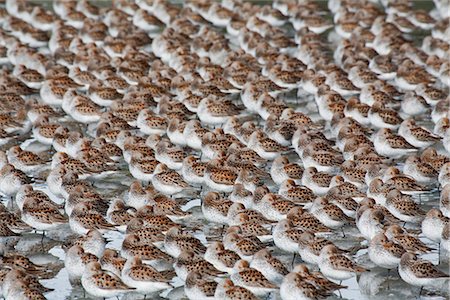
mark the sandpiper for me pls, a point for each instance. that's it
(199, 286)
(337, 266)
(41, 217)
(420, 272)
(188, 262)
(100, 283)
(168, 181)
(329, 214)
(76, 261)
(132, 246)
(403, 207)
(144, 278)
(111, 261)
(296, 193)
(444, 203)
(416, 135)
(420, 171)
(251, 279)
(391, 145)
(384, 253)
(409, 242)
(244, 247)
(228, 291)
(221, 258)
(272, 268)
(433, 224)
(309, 247)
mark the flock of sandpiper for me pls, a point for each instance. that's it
(298, 124)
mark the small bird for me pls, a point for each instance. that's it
(245, 247)
(310, 246)
(220, 178)
(215, 209)
(41, 217)
(282, 170)
(304, 220)
(433, 224)
(188, 262)
(199, 287)
(251, 279)
(403, 207)
(382, 117)
(176, 242)
(271, 267)
(301, 284)
(228, 291)
(419, 272)
(384, 253)
(132, 246)
(83, 218)
(25, 161)
(12, 179)
(422, 172)
(329, 214)
(410, 243)
(167, 181)
(112, 262)
(317, 279)
(337, 266)
(294, 286)
(100, 283)
(390, 145)
(144, 278)
(221, 258)
(264, 146)
(93, 243)
(296, 193)
(417, 136)
(76, 261)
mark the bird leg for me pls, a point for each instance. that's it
(293, 259)
(439, 253)
(387, 278)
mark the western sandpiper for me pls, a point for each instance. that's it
(433, 224)
(420, 272)
(176, 242)
(251, 279)
(227, 290)
(100, 283)
(385, 253)
(409, 242)
(188, 262)
(198, 286)
(221, 258)
(144, 278)
(76, 261)
(337, 266)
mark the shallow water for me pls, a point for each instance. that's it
(376, 284)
